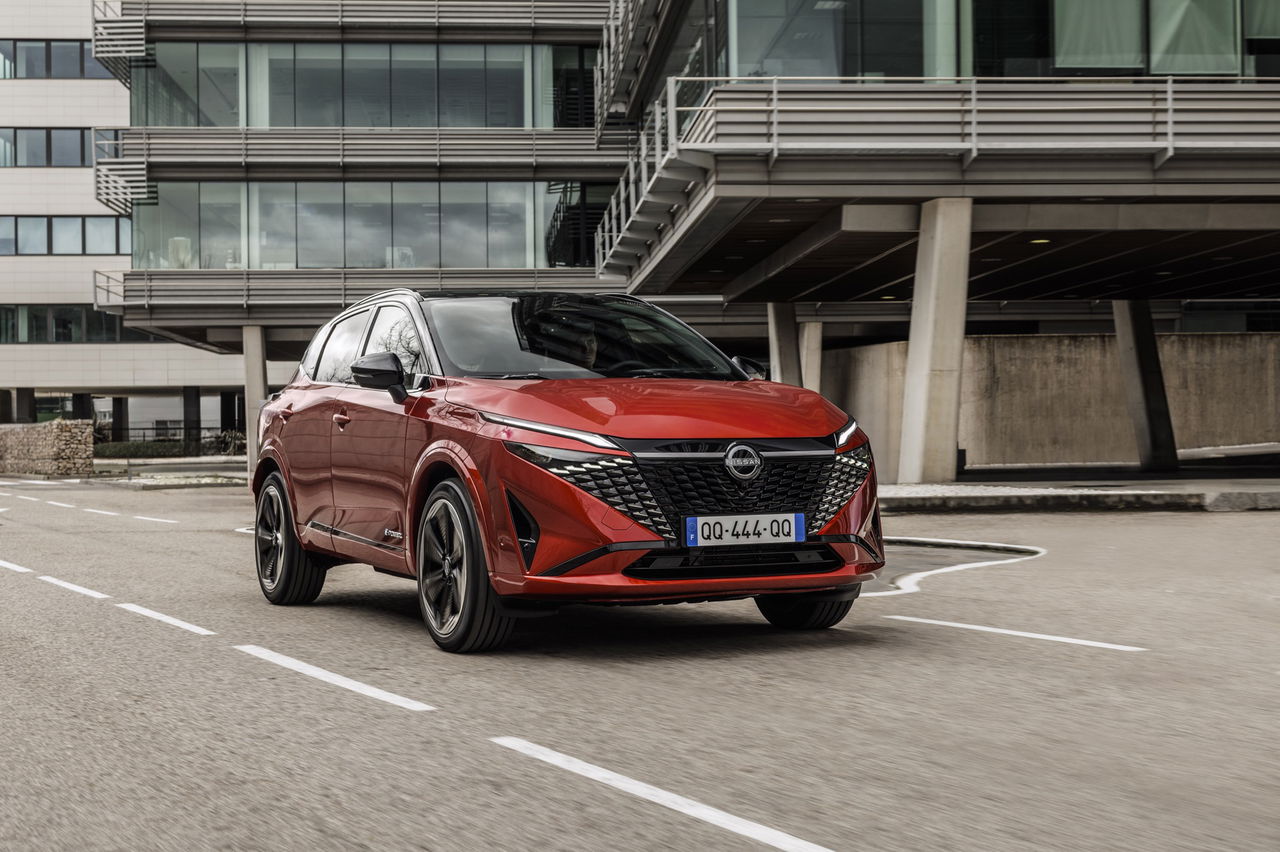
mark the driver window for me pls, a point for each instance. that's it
(340, 350)
(393, 331)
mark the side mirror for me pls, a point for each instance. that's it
(753, 369)
(381, 371)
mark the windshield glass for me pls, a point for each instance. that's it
(564, 336)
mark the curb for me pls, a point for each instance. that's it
(160, 485)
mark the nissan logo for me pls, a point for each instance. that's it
(743, 462)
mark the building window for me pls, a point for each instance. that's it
(64, 324)
(367, 225)
(32, 147)
(64, 235)
(363, 84)
(29, 59)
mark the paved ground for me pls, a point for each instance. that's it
(124, 732)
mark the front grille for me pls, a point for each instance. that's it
(660, 494)
(760, 560)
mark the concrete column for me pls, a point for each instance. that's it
(6, 406)
(935, 347)
(1144, 385)
(255, 387)
(811, 356)
(784, 343)
(191, 419)
(227, 411)
(24, 408)
(81, 406)
(119, 418)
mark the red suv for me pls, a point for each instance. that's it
(518, 451)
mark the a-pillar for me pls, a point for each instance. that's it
(119, 418)
(81, 406)
(811, 356)
(935, 347)
(784, 343)
(24, 409)
(6, 406)
(227, 411)
(255, 388)
(191, 419)
(1144, 385)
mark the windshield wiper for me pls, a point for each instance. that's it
(665, 373)
(508, 376)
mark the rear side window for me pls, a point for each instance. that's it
(394, 331)
(340, 350)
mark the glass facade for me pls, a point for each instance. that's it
(367, 225)
(986, 38)
(28, 59)
(64, 324)
(359, 84)
(65, 235)
(44, 146)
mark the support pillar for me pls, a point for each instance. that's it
(6, 406)
(784, 343)
(227, 411)
(191, 419)
(119, 418)
(935, 348)
(81, 406)
(1144, 385)
(811, 356)
(24, 409)
(255, 388)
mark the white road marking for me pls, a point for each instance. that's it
(245, 530)
(689, 807)
(335, 679)
(5, 509)
(908, 583)
(5, 494)
(72, 586)
(5, 482)
(167, 619)
(157, 520)
(1021, 633)
(56, 503)
(17, 568)
(25, 497)
(37, 482)
(101, 512)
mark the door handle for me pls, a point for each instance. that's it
(341, 419)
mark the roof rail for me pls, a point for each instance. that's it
(400, 291)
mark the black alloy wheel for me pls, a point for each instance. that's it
(287, 573)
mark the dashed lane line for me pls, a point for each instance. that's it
(332, 678)
(721, 819)
(72, 586)
(12, 567)
(102, 512)
(1089, 642)
(157, 520)
(25, 497)
(56, 503)
(167, 619)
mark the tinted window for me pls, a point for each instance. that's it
(33, 235)
(393, 331)
(68, 235)
(65, 150)
(33, 148)
(340, 350)
(64, 58)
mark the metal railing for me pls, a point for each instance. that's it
(624, 38)
(121, 27)
(963, 117)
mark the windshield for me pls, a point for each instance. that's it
(564, 336)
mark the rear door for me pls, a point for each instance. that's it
(371, 466)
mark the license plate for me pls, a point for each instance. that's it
(712, 530)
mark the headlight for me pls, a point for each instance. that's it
(561, 431)
(846, 433)
(554, 458)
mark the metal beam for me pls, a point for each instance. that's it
(1126, 217)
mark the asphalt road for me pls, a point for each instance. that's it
(680, 727)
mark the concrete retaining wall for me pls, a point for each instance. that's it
(1058, 398)
(55, 448)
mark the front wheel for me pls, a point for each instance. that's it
(800, 612)
(461, 610)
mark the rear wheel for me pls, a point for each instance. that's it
(800, 612)
(461, 610)
(287, 573)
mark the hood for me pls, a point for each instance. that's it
(657, 408)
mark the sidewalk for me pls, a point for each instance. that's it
(1211, 495)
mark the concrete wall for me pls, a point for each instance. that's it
(101, 367)
(55, 448)
(1057, 399)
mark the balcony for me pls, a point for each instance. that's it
(631, 29)
(121, 28)
(959, 131)
(129, 159)
(200, 298)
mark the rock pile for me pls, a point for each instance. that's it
(55, 448)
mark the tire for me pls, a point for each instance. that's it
(798, 612)
(459, 606)
(287, 573)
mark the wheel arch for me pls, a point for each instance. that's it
(435, 466)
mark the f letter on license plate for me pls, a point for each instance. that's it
(712, 530)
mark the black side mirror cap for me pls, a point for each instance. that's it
(381, 371)
(753, 369)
